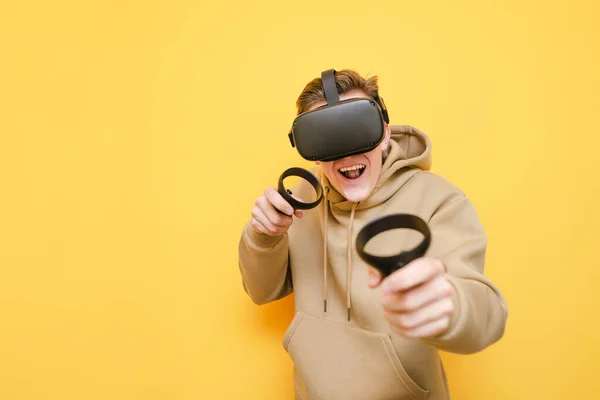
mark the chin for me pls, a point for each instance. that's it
(356, 194)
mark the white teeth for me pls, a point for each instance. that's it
(352, 168)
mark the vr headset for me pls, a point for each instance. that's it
(340, 128)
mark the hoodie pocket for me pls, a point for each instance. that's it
(338, 361)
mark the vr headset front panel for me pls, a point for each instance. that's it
(338, 130)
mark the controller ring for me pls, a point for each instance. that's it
(388, 264)
(306, 175)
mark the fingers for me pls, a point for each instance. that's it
(271, 214)
(281, 204)
(274, 217)
(374, 278)
(413, 274)
(260, 227)
(277, 201)
(272, 222)
(430, 329)
(413, 322)
(422, 303)
(418, 297)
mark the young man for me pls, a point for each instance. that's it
(388, 348)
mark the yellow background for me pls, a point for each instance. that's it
(135, 136)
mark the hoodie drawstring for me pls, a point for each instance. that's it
(325, 216)
(349, 254)
(349, 263)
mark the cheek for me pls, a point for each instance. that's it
(329, 171)
(375, 158)
(329, 168)
(375, 162)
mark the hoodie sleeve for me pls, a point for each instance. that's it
(264, 265)
(459, 241)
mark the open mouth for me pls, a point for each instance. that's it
(352, 171)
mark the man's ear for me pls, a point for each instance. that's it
(388, 135)
(318, 162)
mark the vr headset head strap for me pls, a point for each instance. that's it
(384, 110)
(332, 96)
(329, 86)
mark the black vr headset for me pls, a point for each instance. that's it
(340, 128)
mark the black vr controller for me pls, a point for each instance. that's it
(287, 193)
(384, 264)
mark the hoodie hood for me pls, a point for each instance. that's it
(408, 147)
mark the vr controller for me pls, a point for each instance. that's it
(287, 193)
(384, 264)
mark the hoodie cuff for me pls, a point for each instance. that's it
(261, 239)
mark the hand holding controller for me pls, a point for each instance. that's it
(272, 212)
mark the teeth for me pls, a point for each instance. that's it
(352, 168)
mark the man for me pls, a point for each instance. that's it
(375, 338)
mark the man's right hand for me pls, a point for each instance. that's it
(266, 218)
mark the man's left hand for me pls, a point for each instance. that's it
(417, 299)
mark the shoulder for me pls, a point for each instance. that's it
(435, 196)
(448, 204)
(435, 185)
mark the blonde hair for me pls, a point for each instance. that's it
(345, 81)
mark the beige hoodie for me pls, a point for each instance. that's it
(361, 358)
